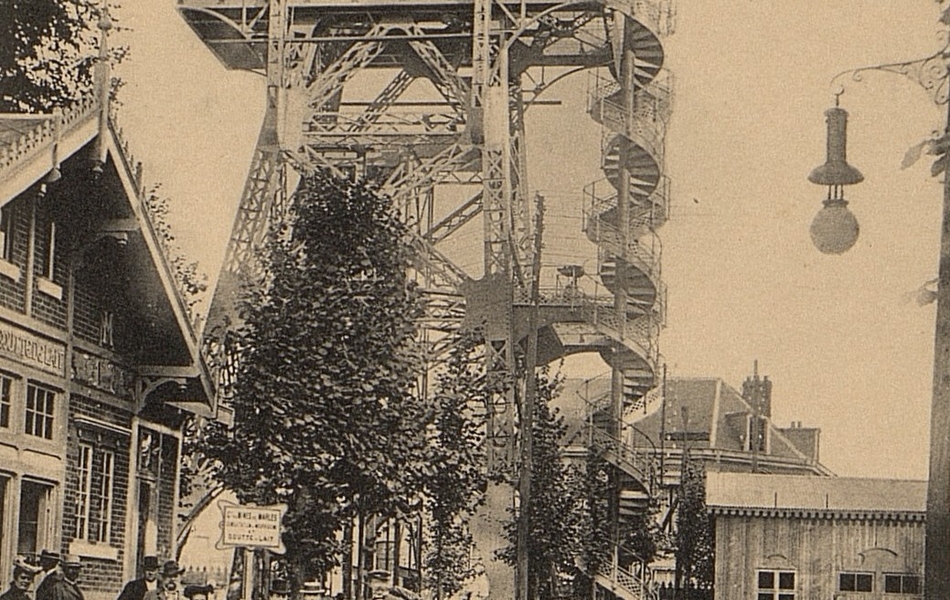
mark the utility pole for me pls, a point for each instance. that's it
(663, 430)
(527, 414)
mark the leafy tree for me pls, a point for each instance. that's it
(598, 489)
(455, 486)
(555, 526)
(47, 52)
(642, 533)
(324, 416)
(694, 533)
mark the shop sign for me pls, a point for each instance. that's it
(251, 526)
(32, 350)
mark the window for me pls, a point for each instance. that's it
(5, 403)
(895, 583)
(776, 585)
(83, 490)
(6, 233)
(32, 525)
(51, 252)
(95, 471)
(39, 411)
(104, 514)
(855, 582)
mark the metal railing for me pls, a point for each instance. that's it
(657, 15)
(632, 460)
(650, 211)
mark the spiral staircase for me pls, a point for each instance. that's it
(622, 212)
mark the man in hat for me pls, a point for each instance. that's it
(67, 586)
(49, 562)
(136, 589)
(169, 587)
(23, 574)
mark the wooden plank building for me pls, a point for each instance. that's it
(790, 537)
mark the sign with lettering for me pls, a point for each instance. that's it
(251, 526)
(32, 350)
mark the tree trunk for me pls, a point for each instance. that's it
(397, 549)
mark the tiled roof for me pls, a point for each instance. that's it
(813, 494)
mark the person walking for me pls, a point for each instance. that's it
(67, 586)
(136, 589)
(170, 587)
(23, 574)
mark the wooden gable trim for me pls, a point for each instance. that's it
(134, 196)
(812, 513)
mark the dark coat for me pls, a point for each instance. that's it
(134, 590)
(45, 588)
(15, 593)
(63, 589)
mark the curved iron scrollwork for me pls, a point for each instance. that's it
(931, 73)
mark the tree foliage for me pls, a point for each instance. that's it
(324, 415)
(643, 535)
(47, 52)
(694, 533)
(556, 518)
(598, 490)
(456, 457)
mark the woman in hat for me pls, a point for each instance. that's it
(23, 574)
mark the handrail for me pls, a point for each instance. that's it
(653, 210)
(625, 579)
(49, 127)
(657, 15)
(608, 236)
(634, 462)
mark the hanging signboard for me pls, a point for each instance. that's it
(251, 526)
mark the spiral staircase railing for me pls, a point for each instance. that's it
(629, 252)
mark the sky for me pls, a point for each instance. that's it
(844, 347)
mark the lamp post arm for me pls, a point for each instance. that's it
(930, 73)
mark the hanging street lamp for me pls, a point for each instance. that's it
(834, 229)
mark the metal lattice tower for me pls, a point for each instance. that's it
(427, 97)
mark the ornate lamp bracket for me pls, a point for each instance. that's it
(930, 73)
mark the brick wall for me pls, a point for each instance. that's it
(86, 311)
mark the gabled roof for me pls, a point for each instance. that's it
(802, 495)
(714, 409)
(30, 146)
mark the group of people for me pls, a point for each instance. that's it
(59, 580)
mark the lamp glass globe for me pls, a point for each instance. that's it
(834, 229)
